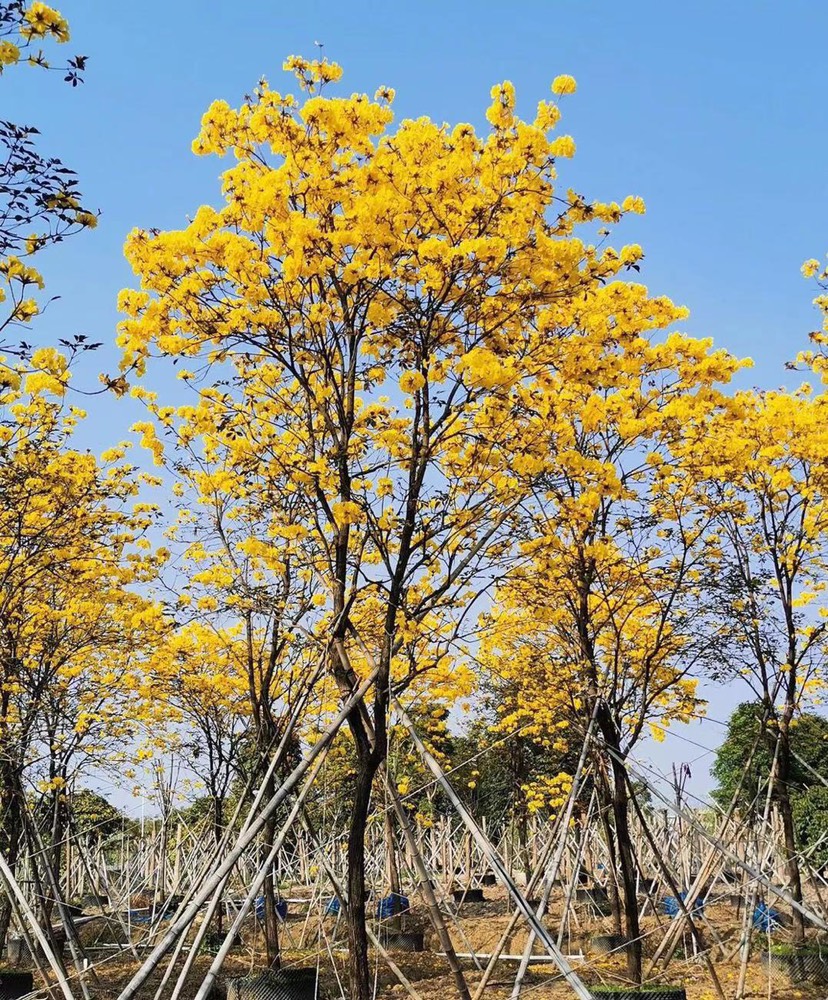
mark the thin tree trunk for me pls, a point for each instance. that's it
(427, 888)
(358, 968)
(605, 800)
(218, 835)
(271, 918)
(788, 833)
(11, 831)
(626, 860)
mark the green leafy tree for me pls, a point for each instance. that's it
(752, 737)
(747, 727)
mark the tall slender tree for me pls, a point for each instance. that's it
(361, 321)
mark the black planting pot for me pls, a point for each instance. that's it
(604, 944)
(405, 941)
(804, 966)
(213, 941)
(17, 951)
(594, 894)
(15, 984)
(489, 879)
(705, 886)
(468, 896)
(298, 974)
(167, 907)
(597, 898)
(94, 902)
(294, 984)
(639, 993)
(276, 984)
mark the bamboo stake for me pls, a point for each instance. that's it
(181, 924)
(572, 978)
(554, 867)
(14, 890)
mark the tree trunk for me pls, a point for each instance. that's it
(54, 855)
(605, 800)
(271, 918)
(626, 860)
(11, 830)
(218, 833)
(783, 770)
(358, 968)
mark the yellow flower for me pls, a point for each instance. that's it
(633, 203)
(564, 85)
(9, 54)
(43, 20)
(25, 310)
(564, 146)
(346, 512)
(411, 381)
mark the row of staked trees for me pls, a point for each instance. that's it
(75, 557)
(427, 429)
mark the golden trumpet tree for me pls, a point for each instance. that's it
(767, 463)
(606, 620)
(246, 598)
(765, 466)
(71, 625)
(359, 323)
(195, 673)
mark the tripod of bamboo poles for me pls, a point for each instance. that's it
(463, 849)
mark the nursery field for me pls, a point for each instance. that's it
(370, 516)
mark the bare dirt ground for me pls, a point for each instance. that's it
(309, 941)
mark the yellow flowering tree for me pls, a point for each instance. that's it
(72, 629)
(606, 620)
(251, 607)
(23, 26)
(768, 465)
(195, 674)
(359, 323)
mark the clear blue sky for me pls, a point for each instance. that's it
(713, 112)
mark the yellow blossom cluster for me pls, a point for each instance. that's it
(37, 22)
